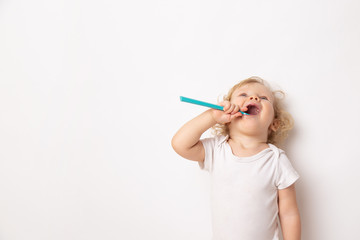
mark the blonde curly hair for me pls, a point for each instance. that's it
(282, 119)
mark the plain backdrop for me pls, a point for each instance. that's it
(89, 103)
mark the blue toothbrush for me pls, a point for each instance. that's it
(205, 104)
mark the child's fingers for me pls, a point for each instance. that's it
(236, 109)
(244, 109)
(225, 104)
(227, 107)
(236, 115)
(231, 108)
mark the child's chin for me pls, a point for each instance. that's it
(246, 123)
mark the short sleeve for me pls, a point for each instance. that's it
(286, 174)
(209, 146)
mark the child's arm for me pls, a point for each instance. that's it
(186, 140)
(289, 214)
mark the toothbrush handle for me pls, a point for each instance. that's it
(205, 104)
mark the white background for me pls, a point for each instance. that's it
(89, 102)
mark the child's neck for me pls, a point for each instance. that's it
(246, 142)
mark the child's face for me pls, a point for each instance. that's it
(261, 116)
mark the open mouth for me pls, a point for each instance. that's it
(253, 109)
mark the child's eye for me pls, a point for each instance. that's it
(264, 98)
(243, 94)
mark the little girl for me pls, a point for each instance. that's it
(252, 180)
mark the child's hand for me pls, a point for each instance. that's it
(230, 112)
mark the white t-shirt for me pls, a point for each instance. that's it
(244, 190)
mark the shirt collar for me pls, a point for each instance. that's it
(224, 138)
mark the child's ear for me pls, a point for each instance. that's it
(274, 126)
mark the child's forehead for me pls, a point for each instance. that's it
(259, 88)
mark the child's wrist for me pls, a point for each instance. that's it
(209, 112)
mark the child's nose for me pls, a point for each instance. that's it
(254, 97)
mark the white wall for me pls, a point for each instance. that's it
(89, 102)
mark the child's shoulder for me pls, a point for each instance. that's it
(275, 147)
(277, 151)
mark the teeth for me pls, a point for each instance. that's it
(253, 110)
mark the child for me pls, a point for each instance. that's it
(252, 179)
